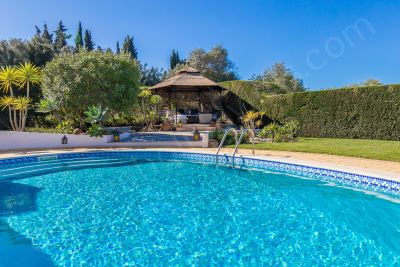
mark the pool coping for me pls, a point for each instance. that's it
(343, 178)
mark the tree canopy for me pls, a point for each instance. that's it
(76, 81)
(89, 44)
(78, 38)
(174, 59)
(129, 47)
(369, 82)
(214, 64)
(60, 40)
(282, 77)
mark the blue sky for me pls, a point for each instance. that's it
(326, 43)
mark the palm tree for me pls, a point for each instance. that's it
(8, 78)
(27, 74)
(21, 104)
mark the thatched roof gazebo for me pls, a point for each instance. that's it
(188, 81)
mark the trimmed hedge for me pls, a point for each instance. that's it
(245, 95)
(362, 112)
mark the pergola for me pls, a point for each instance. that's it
(187, 80)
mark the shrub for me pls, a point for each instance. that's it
(80, 80)
(219, 134)
(65, 127)
(363, 112)
(96, 130)
(270, 131)
(278, 133)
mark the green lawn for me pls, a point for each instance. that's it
(371, 149)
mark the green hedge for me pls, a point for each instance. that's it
(245, 95)
(362, 112)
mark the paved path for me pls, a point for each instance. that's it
(377, 168)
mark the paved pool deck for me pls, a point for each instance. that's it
(377, 168)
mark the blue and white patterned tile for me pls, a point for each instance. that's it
(355, 180)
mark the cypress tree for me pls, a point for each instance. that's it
(60, 40)
(78, 37)
(129, 48)
(118, 49)
(89, 45)
(174, 59)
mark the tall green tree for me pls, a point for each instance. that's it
(60, 40)
(79, 37)
(214, 64)
(282, 77)
(118, 51)
(14, 52)
(46, 36)
(41, 47)
(112, 81)
(89, 44)
(150, 76)
(129, 47)
(174, 59)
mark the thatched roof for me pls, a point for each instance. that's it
(187, 79)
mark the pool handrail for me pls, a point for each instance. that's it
(223, 140)
(240, 140)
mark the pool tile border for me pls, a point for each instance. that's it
(354, 180)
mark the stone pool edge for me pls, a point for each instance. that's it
(352, 179)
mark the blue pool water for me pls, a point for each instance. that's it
(175, 213)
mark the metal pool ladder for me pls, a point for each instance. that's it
(237, 143)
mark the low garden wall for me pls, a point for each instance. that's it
(27, 140)
(10, 140)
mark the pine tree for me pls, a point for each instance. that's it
(60, 40)
(129, 48)
(41, 46)
(89, 45)
(78, 37)
(46, 36)
(118, 49)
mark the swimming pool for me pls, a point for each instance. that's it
(152, 208)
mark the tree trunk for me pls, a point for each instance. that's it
(10, 117)
(16, 124)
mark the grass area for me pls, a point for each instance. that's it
(370, 149)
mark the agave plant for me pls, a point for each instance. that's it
(95, 115)
(47, 106)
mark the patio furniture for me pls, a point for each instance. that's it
(205, 118)
(193, 116)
